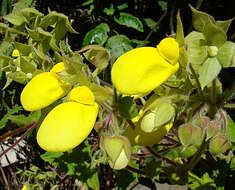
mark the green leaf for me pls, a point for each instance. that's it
(98, 35)
(97, 55)
(10, 112)
(214, 35)
(151, 23)
(19, 77)
(200, 19)
(127, 107)
(51, 156)
(4, 60)
(163, 5)
(209, 71)
(101, 93)
(231, 129)
(93, 180)
(30, 13)
(179, 31)
(226, 53)
(24, 49)
(122, 6)
(109, 11)
(224, 25)
(232, 164)
(25, 120)
(205, 183)
(15, 18)
(196, 47)
(124, 178)
(60, 29)
(129, 20)
(26, 65)
(118, 45)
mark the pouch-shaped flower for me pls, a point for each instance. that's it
(44, 89)
(141, 70)
(69, 123)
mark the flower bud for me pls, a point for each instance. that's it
(212, 51)
(213, 128)
(141, 70)
(218, 144)
(118, 150)
(15, 53)
(44, 89)
(189, 134)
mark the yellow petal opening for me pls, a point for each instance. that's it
(66, 126)
(59, 67)
(141, 70)
(43, 90)
(168, 48)
(83, 95)
(15, 53)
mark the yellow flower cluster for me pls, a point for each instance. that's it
(69, 123)
(136, 72)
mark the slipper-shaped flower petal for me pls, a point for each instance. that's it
(141, 70)
(67, 125)
(44, 89)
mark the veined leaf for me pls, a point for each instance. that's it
(129, 20)
(98, 35)
(209, 71)
(118, 45)
(214, 35)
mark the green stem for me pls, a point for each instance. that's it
(155, 26)
(160, 156)
(197, 81)
(229, 105)
(213, 106)
(136, 170)
(115, 123)
(195, 177)
(198, 154)
(131, 123)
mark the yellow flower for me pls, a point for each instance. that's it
(141, 70)
(69, 123)
(15, 53)
(44, 89)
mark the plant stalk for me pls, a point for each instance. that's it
(197, 81)
(162, 157)
(155, 26)
(198, 154)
